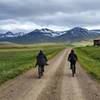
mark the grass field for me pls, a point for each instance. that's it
(83, 43)
(89, 58)
(16, 59)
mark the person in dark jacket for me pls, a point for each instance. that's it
(72, 58)
(41, 60)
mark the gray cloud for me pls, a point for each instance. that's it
(51, 12)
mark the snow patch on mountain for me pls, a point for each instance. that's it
(10, 34)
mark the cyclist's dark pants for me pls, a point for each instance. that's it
(73, 65)
(42, 67)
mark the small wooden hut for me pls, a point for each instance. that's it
(97, 42)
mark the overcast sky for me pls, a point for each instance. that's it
(26, 15)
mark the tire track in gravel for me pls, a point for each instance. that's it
(53, 90)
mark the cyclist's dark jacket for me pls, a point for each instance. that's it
(72, 58)
(41, 59)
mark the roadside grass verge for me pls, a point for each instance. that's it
(17, 60)
(89, 58)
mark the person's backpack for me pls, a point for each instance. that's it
(41, 60)
(73, 58)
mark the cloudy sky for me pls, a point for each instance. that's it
(27, 15)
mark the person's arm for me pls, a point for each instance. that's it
(76, 57)
(69, 57)
(46, 60)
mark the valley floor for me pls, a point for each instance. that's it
(56, 84)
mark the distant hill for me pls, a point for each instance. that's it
(97, 31)
(10, 34)
(77, 34)
(47, 35)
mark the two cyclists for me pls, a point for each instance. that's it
(42, 61)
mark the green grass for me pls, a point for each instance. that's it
(89, 58)
(83, 43)
(15, 60)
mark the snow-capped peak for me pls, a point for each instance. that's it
(11, 34)
(50, 33)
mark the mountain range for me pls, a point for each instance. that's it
(11, 34)
(47, 35)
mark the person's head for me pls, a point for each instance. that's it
(72, 51)
(41, 52)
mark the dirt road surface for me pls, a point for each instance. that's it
(56, 84)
